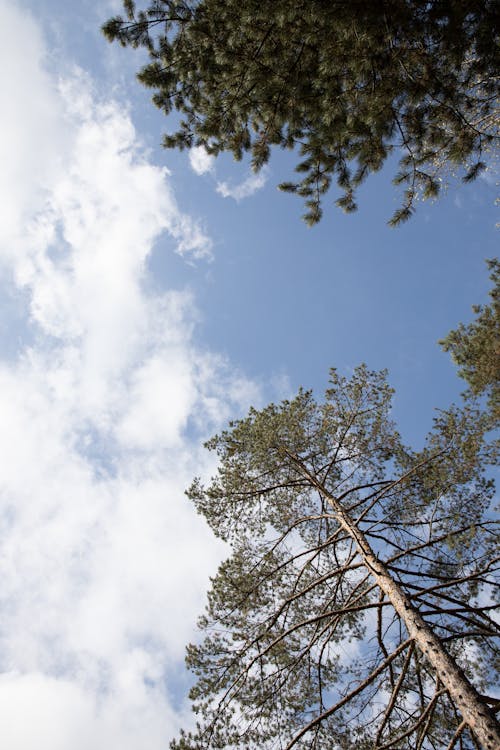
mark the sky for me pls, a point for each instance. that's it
(147, 297)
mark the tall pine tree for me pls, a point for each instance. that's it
(356, 608)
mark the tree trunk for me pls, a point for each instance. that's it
(479, 717)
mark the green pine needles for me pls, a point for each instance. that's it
(345, 84)
(475, 348)
(356, 607)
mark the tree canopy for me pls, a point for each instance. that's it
(356, 607)
(346, 83)
(475, 347)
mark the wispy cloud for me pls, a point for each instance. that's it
(203, 163)
(491, 175)
(244, 189)
(103, 561)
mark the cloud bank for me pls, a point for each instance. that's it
(104, 400)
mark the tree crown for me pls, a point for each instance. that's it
(330, 519)
(475, 347)
(347, 84)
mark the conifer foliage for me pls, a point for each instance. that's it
(475, 348)
(356, 608)
(346, 83)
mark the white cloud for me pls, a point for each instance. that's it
(102, 560)
(245, 189)
(29, 118)
(63, 714)
(491, 175)
(201, 162)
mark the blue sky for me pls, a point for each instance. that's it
(147, 297)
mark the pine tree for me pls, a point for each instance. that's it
(345, 83)
(356, 608)
(475, 348)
